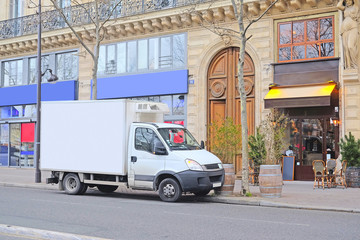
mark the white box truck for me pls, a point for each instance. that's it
(109, 143)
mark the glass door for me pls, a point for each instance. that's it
(4, 144)
(312, 137)
(15, 144)
(27, 144)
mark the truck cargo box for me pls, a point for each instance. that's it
(91, 136)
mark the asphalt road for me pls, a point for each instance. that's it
(121, 216)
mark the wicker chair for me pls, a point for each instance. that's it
(319, 172)
(330, 172)
(341, 174)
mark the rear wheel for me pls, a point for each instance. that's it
(169, 190)
(72, 184)
(83, 190)
(106, 188)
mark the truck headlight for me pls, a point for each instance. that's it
(193, 165)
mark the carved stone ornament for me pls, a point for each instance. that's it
(349, 31)
(249, 85)
(217, 89)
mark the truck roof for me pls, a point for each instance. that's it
(166, 125)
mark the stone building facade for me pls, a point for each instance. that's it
(296, 47)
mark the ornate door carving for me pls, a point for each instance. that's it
(223, 95)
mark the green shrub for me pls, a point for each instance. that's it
(257, 150)
(225, 139)
(350, 150)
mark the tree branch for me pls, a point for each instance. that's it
(72, 28)
(258, 18)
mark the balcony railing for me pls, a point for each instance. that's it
(79, 15)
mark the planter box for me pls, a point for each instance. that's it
(353, 177)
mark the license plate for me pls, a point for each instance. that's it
(217, 184)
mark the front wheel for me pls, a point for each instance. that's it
(169, 190)
(72, 184)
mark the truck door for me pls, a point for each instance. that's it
(144, 164)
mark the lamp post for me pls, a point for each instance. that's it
(38, 103)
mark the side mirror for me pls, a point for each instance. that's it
(159, 148)
(202, 144)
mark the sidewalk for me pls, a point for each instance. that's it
(295, 194)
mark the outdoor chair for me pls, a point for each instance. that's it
(341, 174)
(319, 172)
(253, 176)
(330, 172)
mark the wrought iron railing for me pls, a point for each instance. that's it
(81, 15)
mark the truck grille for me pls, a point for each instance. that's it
(214, 166)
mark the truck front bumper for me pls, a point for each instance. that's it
(196, 181)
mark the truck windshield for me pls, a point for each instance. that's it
(179, 139)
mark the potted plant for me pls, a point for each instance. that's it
(225, 142)
(257, 154)
(350, 151)
(270, 176)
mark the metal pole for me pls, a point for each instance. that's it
(38, 104)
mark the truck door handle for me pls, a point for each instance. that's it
(133, 159)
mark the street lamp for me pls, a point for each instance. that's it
(38, 103)
(52, 78)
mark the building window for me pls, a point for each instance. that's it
(12, 73)
(64, 3)
(33, 69)
(144, 55)
(67, 66)
(306, 39)
(19, 111)
(16, 8)
(24, 71)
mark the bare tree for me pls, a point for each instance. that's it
(242, 37)
(99, 12)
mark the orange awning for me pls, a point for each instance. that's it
(300, 96)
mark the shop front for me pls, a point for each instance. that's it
(16, 137)
(310, 98)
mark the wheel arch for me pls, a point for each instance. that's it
(166, 174)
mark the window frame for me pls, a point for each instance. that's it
(305, 43)
(154, 135)
(158, 67)
(26, 66)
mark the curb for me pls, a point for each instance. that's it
(19, 185)
(264, 203)
(32, 233)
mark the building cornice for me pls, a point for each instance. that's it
(163, 21)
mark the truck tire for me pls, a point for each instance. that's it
(107, 188)
(72, 184)
(83, 190)
(169, 190)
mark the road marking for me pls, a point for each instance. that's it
(240, 219)
(39, 234)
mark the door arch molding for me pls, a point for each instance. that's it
(201, 73)
(223, 98)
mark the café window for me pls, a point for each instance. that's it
(306, 39)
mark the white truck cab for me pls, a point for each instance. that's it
(106, 144)
(166, 157)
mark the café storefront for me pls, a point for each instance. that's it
(308, 92)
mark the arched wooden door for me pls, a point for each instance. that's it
(223, 95)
